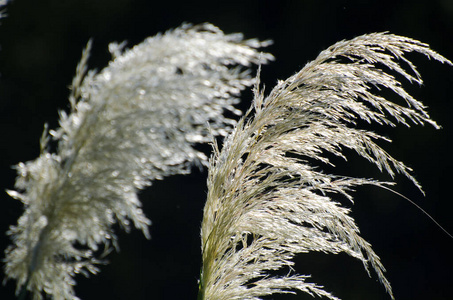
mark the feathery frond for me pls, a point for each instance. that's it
(134, 122)
(268, 198)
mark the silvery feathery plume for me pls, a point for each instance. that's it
(268, 198)
(134, 122)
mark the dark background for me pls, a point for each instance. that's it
(41, 43)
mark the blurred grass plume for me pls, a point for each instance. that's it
(134, 122)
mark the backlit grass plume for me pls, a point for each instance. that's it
(268, 198)
(135, 121)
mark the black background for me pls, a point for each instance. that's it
(41, 43)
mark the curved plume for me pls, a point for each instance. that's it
(134, 122)
(268, 198)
